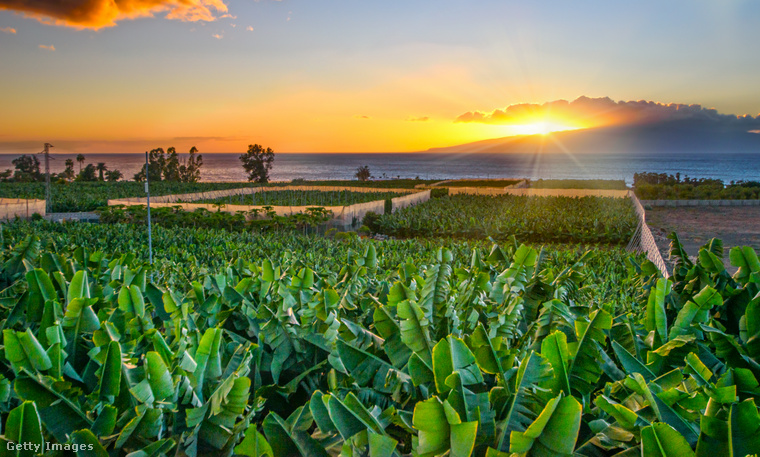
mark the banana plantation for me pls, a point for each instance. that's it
(279, 344)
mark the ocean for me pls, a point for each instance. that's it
(316, 166)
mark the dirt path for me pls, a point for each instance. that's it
(695, 226)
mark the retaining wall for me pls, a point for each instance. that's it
(17, 207)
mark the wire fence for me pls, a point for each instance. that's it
(643, 240)
(11, 208)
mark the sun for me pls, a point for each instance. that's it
(540, 128)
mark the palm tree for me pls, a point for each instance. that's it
(80, 159)
(69, 172)
(101, 169)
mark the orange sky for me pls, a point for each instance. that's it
(336, 76)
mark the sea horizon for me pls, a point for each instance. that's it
(221, 166)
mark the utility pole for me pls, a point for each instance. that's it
(147, 193)
(48, 198)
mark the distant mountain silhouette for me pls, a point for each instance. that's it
(690, 135)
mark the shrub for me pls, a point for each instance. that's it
(371, 221)
(439, 192)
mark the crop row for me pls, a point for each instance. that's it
(186, 254)
(697, 192)
(541, 219)
(607, 184)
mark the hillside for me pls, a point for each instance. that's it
(675, 136)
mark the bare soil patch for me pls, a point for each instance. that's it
(695, 226)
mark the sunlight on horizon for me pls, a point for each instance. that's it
(540, 128)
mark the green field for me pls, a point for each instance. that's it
(539, 219)
(302, 198)
(379, 183)
(88, 196)
(481, 183)
(702, 192)
(245, 342)
(602, 184)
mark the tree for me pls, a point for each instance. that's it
(362, 173)
(102, 168)
(113, 175)
(80, 159)
(171, 166)
(27, 169)
(68, 173)
(191, 172)
(156, 166)
(257, 162)
(88, 174)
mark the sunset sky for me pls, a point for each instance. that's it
(356, 76)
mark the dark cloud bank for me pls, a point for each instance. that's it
(623, 127)
(606, 112)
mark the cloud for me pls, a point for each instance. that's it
(361, 116)
(96, 14)
(249, 28)
(218, 36)
(605, 111)
(49, 48)
(10, 30)
(418, 119)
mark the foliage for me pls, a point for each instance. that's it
(608, 184)
(481, 183)
(88, 174)
(177, 217)
(378, 183)
(661, 186)
(27, 168)
(285, 345)
(88, 196)
(113, 175)
(303, 198)
(541, 219)
(273, 356)
(363, 173)
(257, 162)
(168, 167)
(437, 192)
